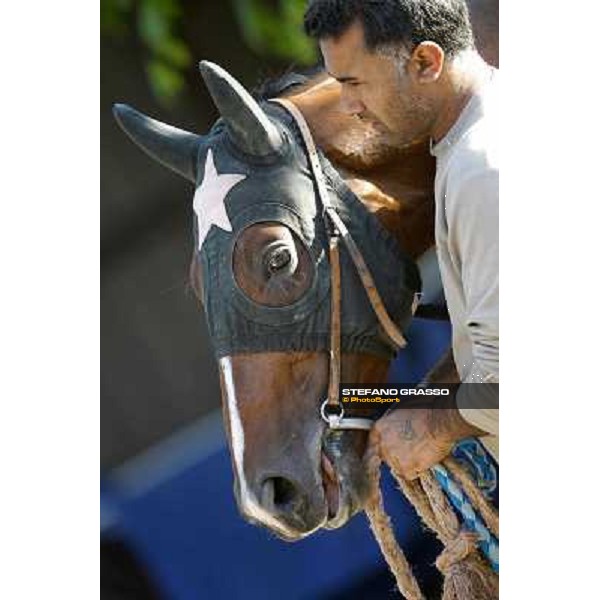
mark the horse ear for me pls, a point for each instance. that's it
(247, 123)
(175, 148)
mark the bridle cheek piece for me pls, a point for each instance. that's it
(332, 410)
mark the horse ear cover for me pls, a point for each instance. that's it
(175, 148)
(248, 126)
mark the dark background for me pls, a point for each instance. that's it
(158, 372)
(160, 395)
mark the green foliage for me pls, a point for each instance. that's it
(156, 23)
(169, 56)
(113, 16)
(267, 30)
(276, 32)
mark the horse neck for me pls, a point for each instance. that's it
(395, 184)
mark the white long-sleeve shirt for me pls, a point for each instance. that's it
(466, 231)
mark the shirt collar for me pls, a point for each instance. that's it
(469, 115)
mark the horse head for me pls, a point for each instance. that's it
(262, 272)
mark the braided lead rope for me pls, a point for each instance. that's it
(383, 530)
(470, 453)
(475, 494)
(487, 542)
(467, 576)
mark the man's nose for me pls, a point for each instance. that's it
(350, 104)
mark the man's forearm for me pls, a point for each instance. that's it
(448, 422)
(444, 370)
(412, 440)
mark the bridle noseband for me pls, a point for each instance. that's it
(332, 410)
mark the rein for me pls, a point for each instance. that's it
(436, 492)
(332, 410)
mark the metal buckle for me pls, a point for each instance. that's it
(332, 420)
(339, 422)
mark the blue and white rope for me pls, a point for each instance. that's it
(487, 542)
(472, 455)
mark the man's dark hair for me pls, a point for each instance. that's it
(394, 22)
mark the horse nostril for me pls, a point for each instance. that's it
(280, 493)
(285, 492)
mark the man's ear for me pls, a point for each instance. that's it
(427, 62)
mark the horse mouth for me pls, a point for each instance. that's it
(340, 505)
(345, 485)
(331, 486)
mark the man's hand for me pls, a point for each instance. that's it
(411, 440)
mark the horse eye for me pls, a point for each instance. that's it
(278, 259)
(272, 265)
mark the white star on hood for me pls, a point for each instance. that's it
(209, 199)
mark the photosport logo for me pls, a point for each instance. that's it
(401, 395)
(386, 395)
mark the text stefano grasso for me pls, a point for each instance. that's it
(402, 391)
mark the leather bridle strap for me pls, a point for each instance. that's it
(332, 410)
(335, 352)
(385, 320)
(388, 325)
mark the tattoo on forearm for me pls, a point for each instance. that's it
(406, 431)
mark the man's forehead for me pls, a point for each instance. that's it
(341, 53)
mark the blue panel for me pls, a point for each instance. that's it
(427, 341)
(187, 531)
(195, 545)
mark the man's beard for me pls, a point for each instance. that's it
(412, 120)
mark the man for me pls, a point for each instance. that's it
(412, 67)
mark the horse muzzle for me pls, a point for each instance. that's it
(344, 480)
